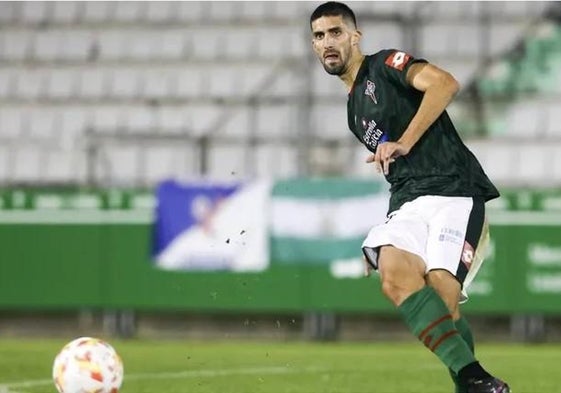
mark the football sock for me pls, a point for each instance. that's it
(463, 328)
(429, 319)
(472, 371)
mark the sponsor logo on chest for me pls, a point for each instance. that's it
(372, 134)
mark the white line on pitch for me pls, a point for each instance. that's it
(178, 374)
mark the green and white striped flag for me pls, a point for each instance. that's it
(324, 220)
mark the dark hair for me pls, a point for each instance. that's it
(334, 8)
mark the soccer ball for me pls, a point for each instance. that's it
(88, 365)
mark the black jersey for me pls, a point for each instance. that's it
(380, 106)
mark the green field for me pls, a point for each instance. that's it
(225, 366)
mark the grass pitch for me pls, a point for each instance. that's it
(177, 366)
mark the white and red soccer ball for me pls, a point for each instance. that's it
(88, 365)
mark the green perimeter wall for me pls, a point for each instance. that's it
(104, 263)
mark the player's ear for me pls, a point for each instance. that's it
(355, 37)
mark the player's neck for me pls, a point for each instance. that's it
(350, 75)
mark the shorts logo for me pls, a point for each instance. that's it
(451, 235)
(467, 255)
(370, 91)
(398, 60)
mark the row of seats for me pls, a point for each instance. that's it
(135, 165)
(67, 12)
(69, 124)
(166, 82)
(504, 162)
(141, 44)
(177, 82)
(529, 119)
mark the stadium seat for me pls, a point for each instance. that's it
(9, 11)
(163, 161)
(76, 46)
(125, 83)
(62, 166)
(97, 11)
(171, 119)
(238, 123)
(65, 12)
(34, 12)
(553, 119)
(275, 161)
(63, 83)
(200, 118)
(108, 119)
(32, 84)
(188, 82)
(382, 35)
(16, 45)
(276, 121)
(94, 83)
(155, 83)
(73, 121)
(10, 122)
(8, 82)
(160, 11)
(139, 119)
(28, 164)
(41, 124)
(171, 45)
(128, 11)
(120, 164)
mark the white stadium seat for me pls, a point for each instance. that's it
(94, 83)
(9, 11)
(65, 11)
(16, 45)
(125, 83)
(32, 84)
(10, 122)
(28, 163)
(63, 83)
(128, 11)
(97, 11)
(42, 124)
(34, 11)
(139, 119)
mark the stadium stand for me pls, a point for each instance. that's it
(149, 85)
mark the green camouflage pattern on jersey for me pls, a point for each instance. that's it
(380, 106)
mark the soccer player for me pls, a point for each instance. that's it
(424, 250)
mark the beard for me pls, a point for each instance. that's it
(336, 69)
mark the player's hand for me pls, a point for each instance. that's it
(386, 153)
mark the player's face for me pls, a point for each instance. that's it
(332, 41)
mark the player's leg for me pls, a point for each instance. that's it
(423, 310)
(448, 287)
(454, 234)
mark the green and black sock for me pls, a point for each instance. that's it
(465, 332)
(429, 319)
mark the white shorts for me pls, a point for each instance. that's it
(448, 233)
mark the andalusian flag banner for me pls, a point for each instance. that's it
(324, 220)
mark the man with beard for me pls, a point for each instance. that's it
(427, 250)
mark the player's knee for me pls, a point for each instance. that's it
(398, 286)
(401, 274)
(448, 287)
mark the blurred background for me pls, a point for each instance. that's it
(101, 102)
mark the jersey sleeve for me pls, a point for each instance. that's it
(394, 65)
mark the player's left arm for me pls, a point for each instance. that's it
(439, 88)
